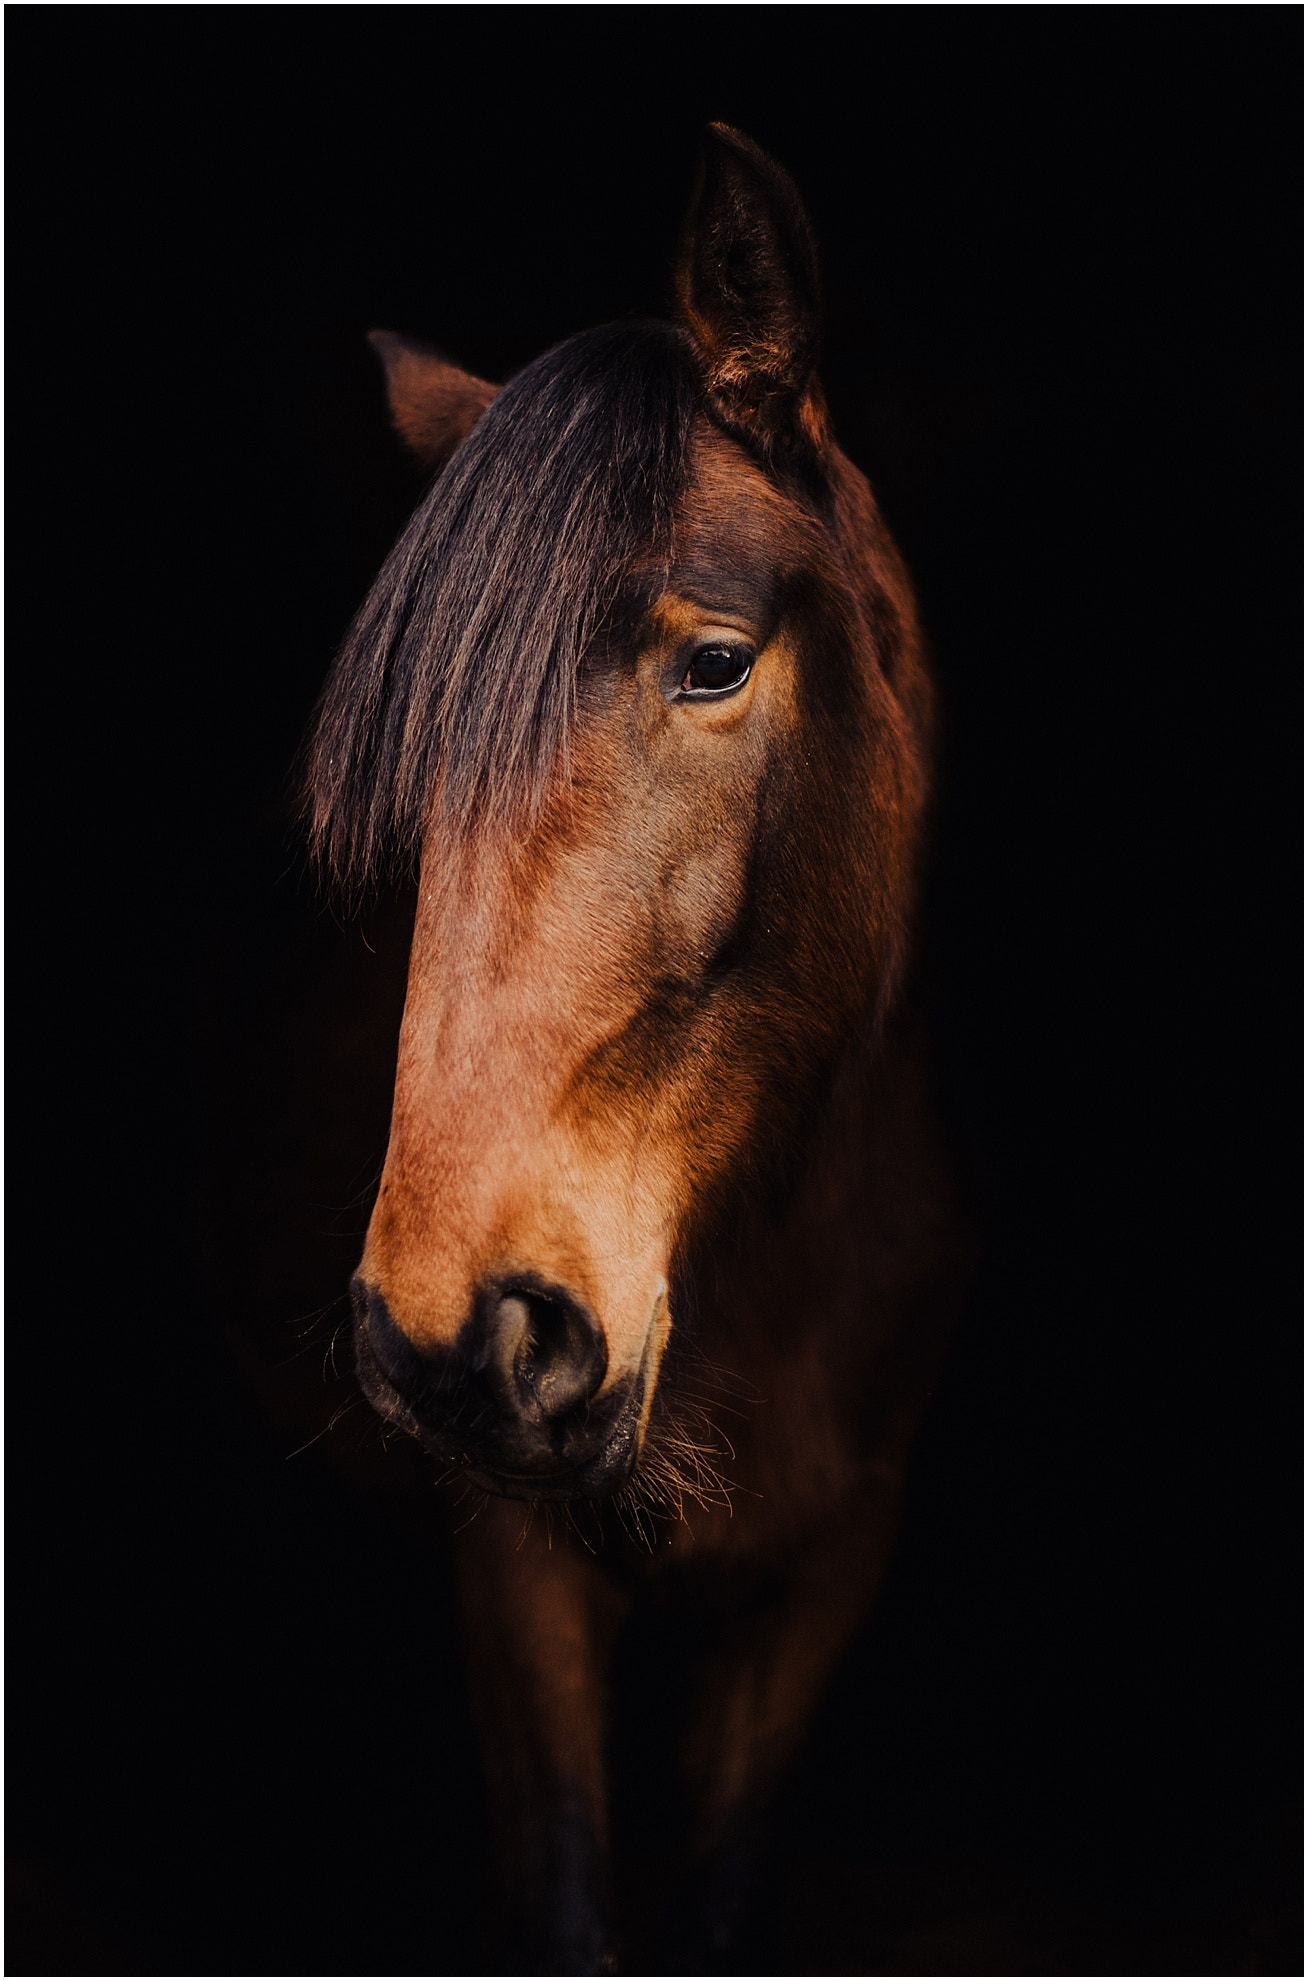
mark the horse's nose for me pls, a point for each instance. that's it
(543, 1351)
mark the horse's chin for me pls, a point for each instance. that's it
(596, 1477)
(589, 1483)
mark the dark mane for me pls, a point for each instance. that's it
(456, 681)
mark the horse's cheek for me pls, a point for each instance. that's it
(698, 905)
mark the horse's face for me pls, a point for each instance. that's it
(616, 1018)
(608, 1024)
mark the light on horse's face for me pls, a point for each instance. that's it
(585, 1050)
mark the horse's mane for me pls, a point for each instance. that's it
(455, 683)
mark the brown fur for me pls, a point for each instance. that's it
(656, 1051)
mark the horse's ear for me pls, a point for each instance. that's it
(434, 405)
(747, 283)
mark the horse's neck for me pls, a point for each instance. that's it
(835, 1278)
(816, 1331)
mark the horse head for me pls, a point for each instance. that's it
(639, 692)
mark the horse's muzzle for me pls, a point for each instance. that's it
(514, 1401)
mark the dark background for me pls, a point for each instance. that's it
(1062, 254)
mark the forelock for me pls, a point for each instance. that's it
(455, 685)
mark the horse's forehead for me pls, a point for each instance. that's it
(730, 514)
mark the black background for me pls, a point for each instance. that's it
(1062, 253)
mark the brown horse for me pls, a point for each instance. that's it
(641, 694)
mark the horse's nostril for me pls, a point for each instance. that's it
(549, 1352)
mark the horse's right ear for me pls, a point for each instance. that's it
(747, 283)
(434, 405)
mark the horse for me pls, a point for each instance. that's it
(666, 1244)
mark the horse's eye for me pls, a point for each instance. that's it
(717, 670)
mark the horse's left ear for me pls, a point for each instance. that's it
(747, 283)
(434, 405)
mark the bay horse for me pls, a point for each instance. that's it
(665, 1246)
